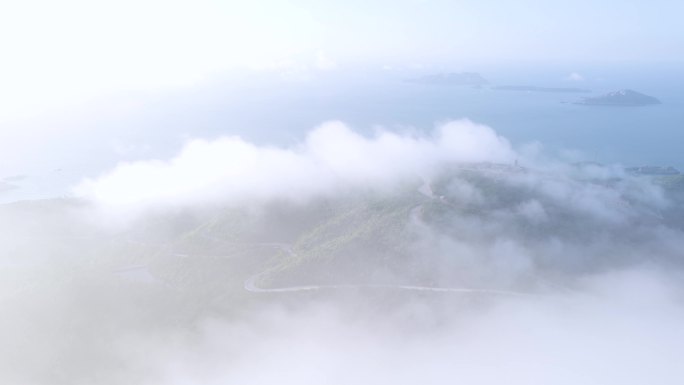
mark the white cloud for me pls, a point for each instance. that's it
(575, 77)
(324, 62)
(566, 232)
(332, 156)
(617, 328)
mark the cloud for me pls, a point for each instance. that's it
(324, 63)
(621, 327)
(575, 77)
(331, 157)
(590, 247)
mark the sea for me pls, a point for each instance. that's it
(60, 149)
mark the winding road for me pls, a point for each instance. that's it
(251, 284)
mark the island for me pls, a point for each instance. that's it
(653, 170)
(6, 186)
(14, 178)
(541, 89)
(452, 79)
(624, 98)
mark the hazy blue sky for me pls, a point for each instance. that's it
(74, 48)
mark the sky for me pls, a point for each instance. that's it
(56, 53)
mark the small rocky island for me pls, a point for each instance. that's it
(452, 79)
(541, 89)
(619, 98)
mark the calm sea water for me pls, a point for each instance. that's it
(155, 126)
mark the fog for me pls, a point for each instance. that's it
(341, 192)
(331, 157)
(398, 257)
(60, 55)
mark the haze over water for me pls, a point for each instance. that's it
(153, 126)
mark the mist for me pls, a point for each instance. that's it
(396, 257)
(331, 157)
(79, 52)
(341, 192)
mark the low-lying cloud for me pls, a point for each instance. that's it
(331, 157)
(617, 328)
(574, 269)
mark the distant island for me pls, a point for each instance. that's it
(14, 178)
(452, 79)
(541, 89)
(9, 183)
(6, 186)
(619, 98)
(653, 170)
